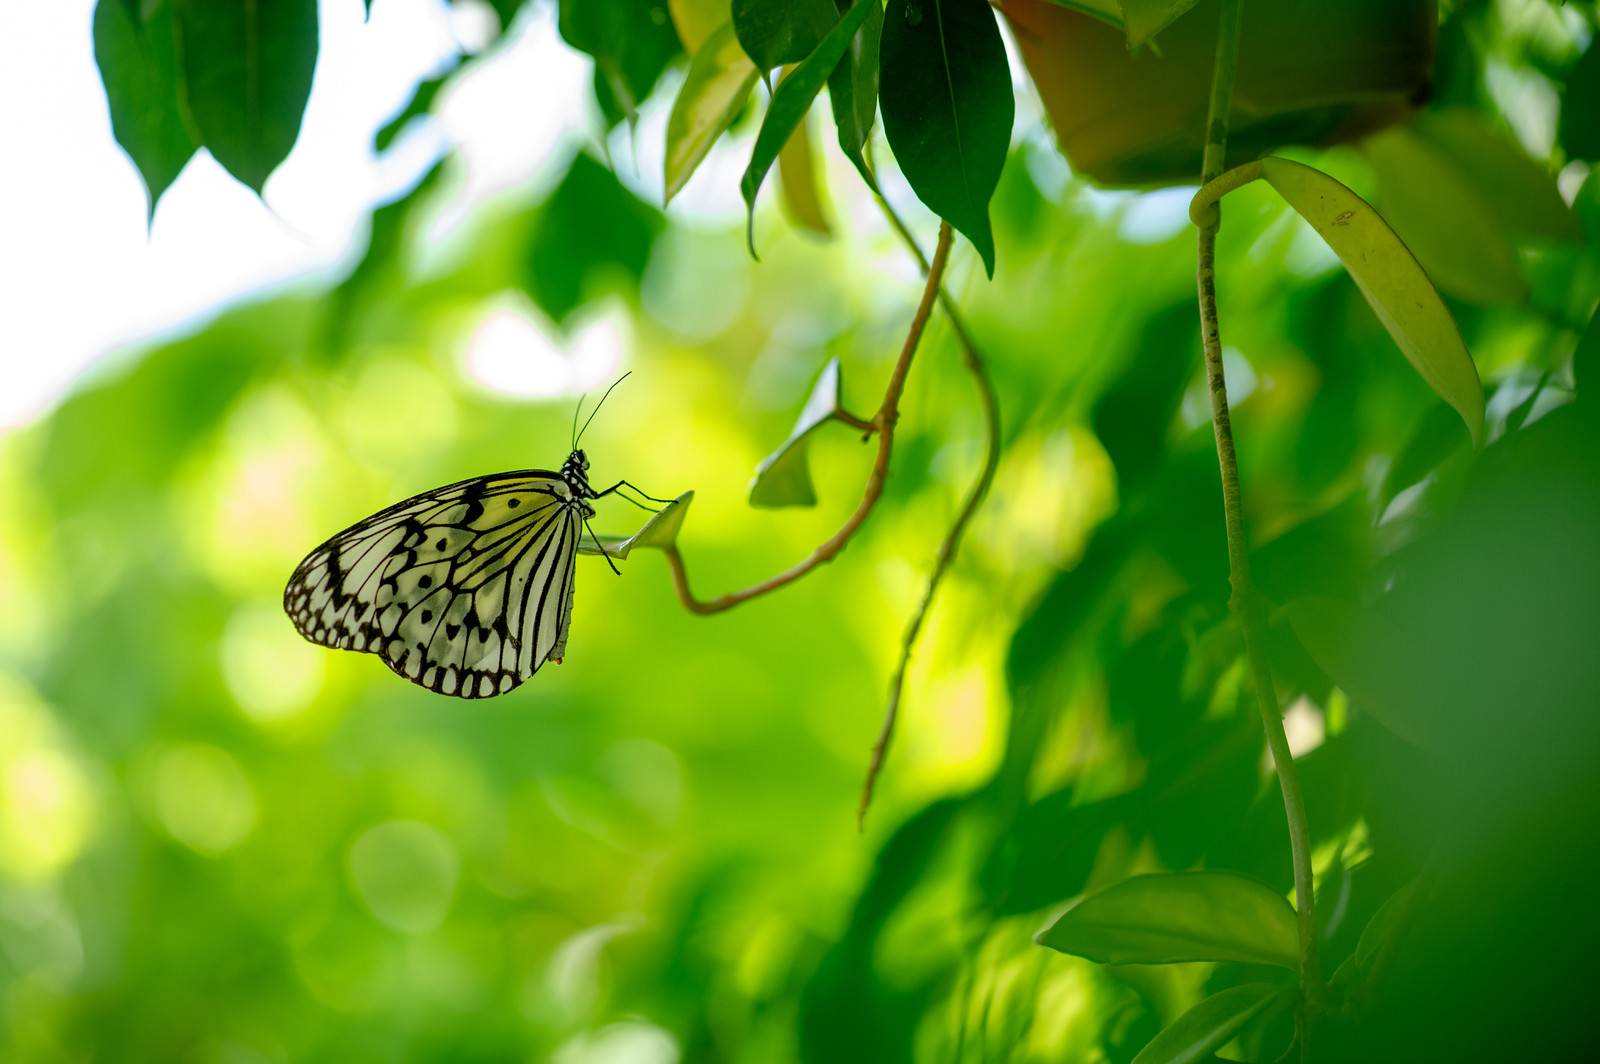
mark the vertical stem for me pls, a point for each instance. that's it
(1243, 600)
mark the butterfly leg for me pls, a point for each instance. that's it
(625, 484)
(603, 550)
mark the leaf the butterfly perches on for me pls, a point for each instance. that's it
(465, 590)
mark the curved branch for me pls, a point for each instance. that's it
(883, 422)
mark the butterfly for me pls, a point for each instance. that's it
(465, 589)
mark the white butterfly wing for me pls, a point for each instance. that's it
(465, 590)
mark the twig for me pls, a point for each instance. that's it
(952, 539)
(1243, 601)
(883, 423)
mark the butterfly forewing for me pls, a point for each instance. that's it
(465, 590)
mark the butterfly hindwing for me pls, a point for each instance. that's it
(465, 590)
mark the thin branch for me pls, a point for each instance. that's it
(952, 539)
(1244, 600)
(883, 422)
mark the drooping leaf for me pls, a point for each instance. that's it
(420, 103)
(797, 171)
(591, 229)
(247, 75)
(853, 91)
(1389, 276)
(784, 477)
(947, 108)
(775, 33)
(714, 92)
(790, 102)
(140, 73)
(1521, 194)
(631, 42)
(659, 532)
(1443, 220)
(1372, 659)
(1185, 916)
(1146, 18)
(697, 20)
(1579, 131)
(1212, 1024)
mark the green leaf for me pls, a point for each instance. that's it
(1389, 276)
(1443, 220)
(1579, 131)
(1185, 916)
(1211, 1024)
(247, 75)
(592, 232)
(631, 42)
(697, 20)
(790, 102)
(1377, 932)
(774, 33)
(1367, 655)
(658, 533)
(714, 92)
(140, 74)
(947, 108)
(784, 477)
(853, 91)
(1146, 18)
(421, 103)
(1520, 194)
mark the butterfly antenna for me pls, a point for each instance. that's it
(597, 407)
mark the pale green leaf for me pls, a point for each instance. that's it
(660, 532)
(1186, 916)
(1210, 1025)
(1146, 18)
(1389, 276)
(714, 92)
(784, 477)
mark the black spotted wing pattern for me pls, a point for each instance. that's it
(465, 590)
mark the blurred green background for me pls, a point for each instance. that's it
(219, 843)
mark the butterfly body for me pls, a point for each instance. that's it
(465, 589)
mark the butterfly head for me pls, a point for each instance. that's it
(575, 472)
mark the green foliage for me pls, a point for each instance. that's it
(139, 68)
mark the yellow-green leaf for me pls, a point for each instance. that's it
(658, 532)
(1187, 916)
(1146, 18)
(714, 92)
(797, 169)
(697, 20)
(1389, 276)
(784, 477)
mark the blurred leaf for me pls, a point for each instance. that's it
(776, 33)
(947, 108)
(1185, 916)
(141, 79)
(421, 103)
(1579, 131)
(1378, 931)
(698, 20)
(1520, 193)
(1212, 1024)
(1387, 274)
(1443, 219)
(631, 42)
(713, 93)
(797, 171)
(1146, 18)
(591, 228)
(784, 477)
(1435, 440)
(247, 75)
(1586, 359)
(1371, 658)
(1049, 851)
(659, 532)
(790, 102)
(853, 91)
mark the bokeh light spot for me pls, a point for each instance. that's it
(272, 673)
(203, 798)
(406, 873)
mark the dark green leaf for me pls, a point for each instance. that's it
(1378, 931)
(631, 42)
(247, 74)
(790, 102)
(592, 231)
(774, 33)
(1212, 1024)
(140, 74)
(1586, 359)
(853, 91)
(1187, 916)
(421, 103)
(784, 477)
(947, 108)
(1521, 194)
(1579, 132)
(1371, 658)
